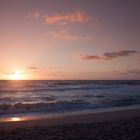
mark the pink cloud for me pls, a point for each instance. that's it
(109, 55)
(78, 16)
(133, 71)
(67, 36)
(35, 14)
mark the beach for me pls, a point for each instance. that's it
(116, 124)
(55, 110)
(70, 70)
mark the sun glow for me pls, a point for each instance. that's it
(17, 75)
(15, 119)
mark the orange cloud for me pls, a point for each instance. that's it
(78, 16)
(66, 36)
(109, 55)
(88, 57)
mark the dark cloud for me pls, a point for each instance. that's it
(109, 55)
(112, 55)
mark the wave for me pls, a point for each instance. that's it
(66, 106)
(57, 89)
(41, 86)
(59, 106)
(62, 96)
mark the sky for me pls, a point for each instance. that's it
(70, 39)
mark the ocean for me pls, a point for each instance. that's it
(48, 97)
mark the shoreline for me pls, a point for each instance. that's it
(86, 117)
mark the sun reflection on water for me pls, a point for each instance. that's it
(20, 118)
(14, 119)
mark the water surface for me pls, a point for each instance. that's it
(47, 97)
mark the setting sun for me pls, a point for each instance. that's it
(15, 119)
(17, 75)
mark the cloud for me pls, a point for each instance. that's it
(67, 36)
(130, 71)
(89, 57)
(123, 53)
(87, 73)
(134, 71)
(109, 55)
(35, 15)
(78, 16)
(33, 68)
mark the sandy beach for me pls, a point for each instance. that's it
(110, 124)
(69, 69)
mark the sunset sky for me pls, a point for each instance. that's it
(70, 39)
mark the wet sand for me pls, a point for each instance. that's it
(108, 125)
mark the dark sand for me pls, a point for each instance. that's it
(112, 125)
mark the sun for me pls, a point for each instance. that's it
(16, 119)
(16, 75)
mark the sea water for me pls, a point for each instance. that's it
(48, 97)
